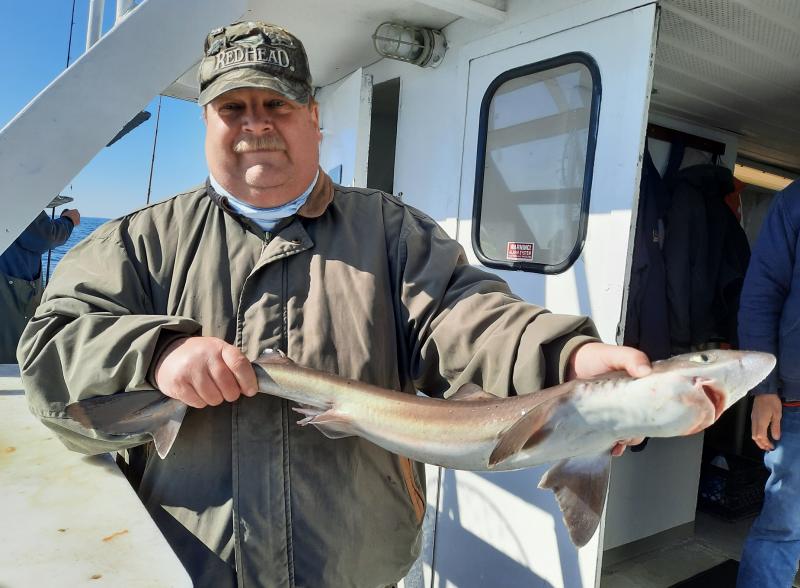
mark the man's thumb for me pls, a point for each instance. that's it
(775, 429)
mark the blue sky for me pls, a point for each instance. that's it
(115, 181)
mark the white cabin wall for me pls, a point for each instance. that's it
(431, 120)
(428, 171)
(428, 154)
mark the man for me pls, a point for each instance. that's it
(769, 316)
(21, 274)
(270, 254)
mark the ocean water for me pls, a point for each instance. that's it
(87, 226)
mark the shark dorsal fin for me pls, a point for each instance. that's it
(273, 356)
(580, 485)
(470, 391)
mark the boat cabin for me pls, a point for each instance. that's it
(523, 128)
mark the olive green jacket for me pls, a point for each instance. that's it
(357, 284)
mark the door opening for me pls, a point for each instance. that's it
(383, 135)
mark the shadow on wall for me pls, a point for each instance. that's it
(487, 565)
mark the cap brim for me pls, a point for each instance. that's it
(251, 78)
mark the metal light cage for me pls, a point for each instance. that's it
(418, 45)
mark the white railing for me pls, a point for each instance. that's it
(96, 8)
(89, 102)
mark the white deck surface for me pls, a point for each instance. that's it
(68, 519)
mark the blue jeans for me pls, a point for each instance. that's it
(772, 549)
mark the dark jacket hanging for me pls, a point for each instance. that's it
(647, 318)
(706, 255)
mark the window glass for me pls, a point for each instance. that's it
(537, 145)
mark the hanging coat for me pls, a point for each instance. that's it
(706, 255)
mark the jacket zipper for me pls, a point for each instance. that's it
(287, 482)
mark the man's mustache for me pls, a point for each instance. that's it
(259, 143)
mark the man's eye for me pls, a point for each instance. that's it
(230, 106)
(276, 103)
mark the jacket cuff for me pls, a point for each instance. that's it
(766, 386)
(165, 339)
(558, 354)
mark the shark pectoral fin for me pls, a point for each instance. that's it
(470, 391)
(144, 412)
(329, 422)
(528, 430)
(164, 436)
(580, 485)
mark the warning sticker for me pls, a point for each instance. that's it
(519, 251)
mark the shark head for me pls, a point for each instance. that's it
(724, 376)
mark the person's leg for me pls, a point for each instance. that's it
(15, 296)
(772, 549)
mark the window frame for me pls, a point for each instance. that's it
(594, 114)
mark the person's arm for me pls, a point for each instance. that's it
(464, 325)
(95, 333)
(73, 215)
(764, 294)
(45, 233)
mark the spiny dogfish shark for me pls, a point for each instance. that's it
(574, 424)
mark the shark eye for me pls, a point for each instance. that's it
(700, 358)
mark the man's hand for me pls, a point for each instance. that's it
(73, 215)
(767, 412)
(203, 371)
(594, 359)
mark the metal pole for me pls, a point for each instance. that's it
(95, 27)
(71, 27)
(49, 251)
(153, 158)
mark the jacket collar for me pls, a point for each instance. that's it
(320, 197)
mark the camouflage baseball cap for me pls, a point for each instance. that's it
(254, 54)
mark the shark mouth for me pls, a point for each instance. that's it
(714, 395)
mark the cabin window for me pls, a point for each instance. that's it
(534, 171)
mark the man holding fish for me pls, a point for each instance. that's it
(181, 296)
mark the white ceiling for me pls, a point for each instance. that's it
(729, 64)
(734, 65)
(345, 43)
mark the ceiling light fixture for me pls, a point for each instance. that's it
(418, 45)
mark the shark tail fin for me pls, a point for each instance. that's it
(580, 485)
(132, 413)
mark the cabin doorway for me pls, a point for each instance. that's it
(383, 135)
(711, 484)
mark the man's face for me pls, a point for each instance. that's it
(261, 146)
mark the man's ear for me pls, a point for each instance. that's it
(314, 108)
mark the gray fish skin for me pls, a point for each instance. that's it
(476, 431)
(575, 424)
